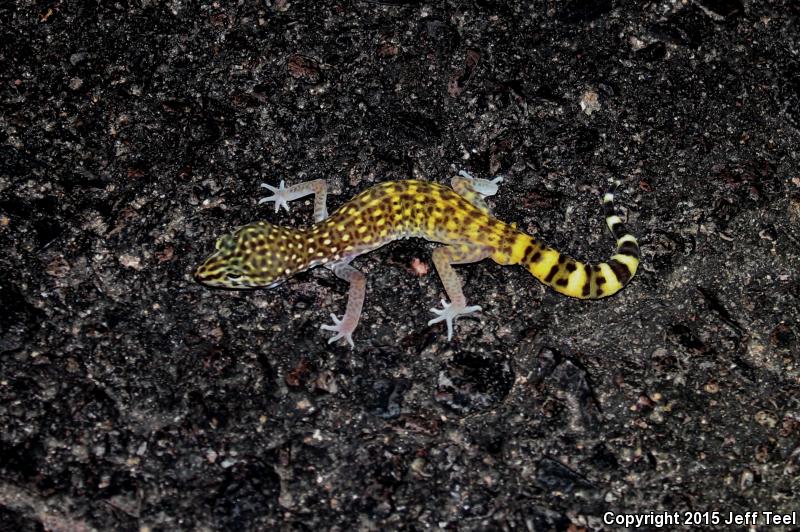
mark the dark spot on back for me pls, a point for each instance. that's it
(527, 255)
(553, 272)
(629, 248)
(587, 285)
(621, 271)
(474, 215)
(619, 230)
(562, 282)
(571, 267)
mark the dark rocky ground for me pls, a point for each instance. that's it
(136, 133)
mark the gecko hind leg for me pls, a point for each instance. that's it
(443, 259)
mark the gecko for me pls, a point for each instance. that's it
(263, 255)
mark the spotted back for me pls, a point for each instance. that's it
(399, 209)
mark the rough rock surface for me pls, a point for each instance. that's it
(132, 134)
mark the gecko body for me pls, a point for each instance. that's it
(262, 255)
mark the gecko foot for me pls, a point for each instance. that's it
(449, 313)
(484, 187)
(343, 329)
(279, 196)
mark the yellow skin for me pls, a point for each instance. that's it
(262, 255)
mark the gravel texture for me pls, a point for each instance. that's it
(133, 134)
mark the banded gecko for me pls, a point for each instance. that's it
(262, 255)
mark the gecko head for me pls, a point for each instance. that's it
(259, 255)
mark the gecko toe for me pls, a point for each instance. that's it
(449, 313)
(342, 330)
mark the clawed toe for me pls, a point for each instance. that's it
(448, 313)
(465, 174)
(278, 196)
(342, 330)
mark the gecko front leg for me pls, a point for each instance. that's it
(358, 282)
(355, 301)
(282, 196)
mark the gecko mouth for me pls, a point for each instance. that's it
(203, 276)
(213, 273)
(221, 279)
